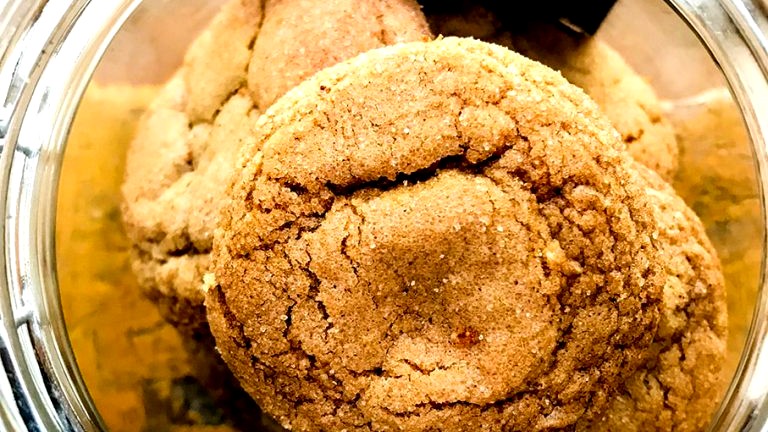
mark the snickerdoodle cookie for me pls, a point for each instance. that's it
(682, 383)
(300, 37)
(439, 235)
(180, 161)
(627, 99)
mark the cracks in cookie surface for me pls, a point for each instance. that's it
(383, 184)
(237, 336)
(540, 183)
(160, 247)
(696, 334)
(418, 369)
(423, 176)
(314, 294)
(381, 35)
(190, 246)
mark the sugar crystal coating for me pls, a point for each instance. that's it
(445, 323)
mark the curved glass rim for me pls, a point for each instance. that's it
(48, 52)
(736, 34)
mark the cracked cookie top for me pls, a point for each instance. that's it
(439, 235)
(683, 382)
(180, 161)
(626, 98)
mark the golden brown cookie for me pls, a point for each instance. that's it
(682, 384)
(625, 97)
(174, 178)
(438, 235)
(301, 37)
(182, 157)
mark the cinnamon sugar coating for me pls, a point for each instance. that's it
(435, 235)
(186, 146)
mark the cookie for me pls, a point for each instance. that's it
(671, 393)
(623, 95)
(300, 37)
(180, 161)
(439, 235)
(683, 382)
(216, 63)
(174, 177)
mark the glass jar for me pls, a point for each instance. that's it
(49, 51)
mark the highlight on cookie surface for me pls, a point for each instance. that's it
(435, 235)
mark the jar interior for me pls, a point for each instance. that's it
(140, 371)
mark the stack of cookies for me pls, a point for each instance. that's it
(386, 220)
